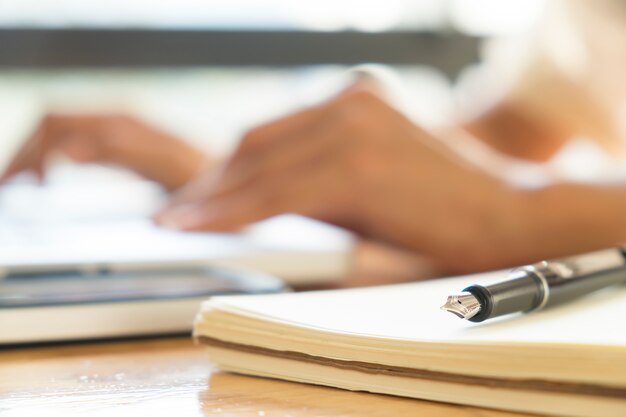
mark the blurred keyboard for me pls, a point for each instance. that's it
(108, 224)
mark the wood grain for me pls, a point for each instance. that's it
(171, 376)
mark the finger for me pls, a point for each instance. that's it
(191, 192)
(310, 192)
(256, 144)
(245, 207)
(55, 132)
(82, 137)
(251, 143)
(312, 142)
(271, 149)
(307, 151)
(77, 150)
(30, 157)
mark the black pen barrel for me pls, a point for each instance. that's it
(563, 290)
(523, 293)
(543, 284)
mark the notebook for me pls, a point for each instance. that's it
(565, 361)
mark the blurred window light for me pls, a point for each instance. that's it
(142, 13)
(495, 17)
(368, 15)
(364, 15)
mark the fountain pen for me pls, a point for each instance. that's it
(540, 285)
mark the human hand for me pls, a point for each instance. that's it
(116, 139)
(358, 163)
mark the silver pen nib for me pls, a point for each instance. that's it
(463, 305)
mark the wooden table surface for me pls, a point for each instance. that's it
(171, 376)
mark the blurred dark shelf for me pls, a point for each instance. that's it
(96, 48)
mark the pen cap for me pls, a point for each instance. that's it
(523, 292)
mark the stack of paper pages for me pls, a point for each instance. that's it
(569, 360)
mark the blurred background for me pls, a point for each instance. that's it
(208, 70)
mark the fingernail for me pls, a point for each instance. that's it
(183, 217)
